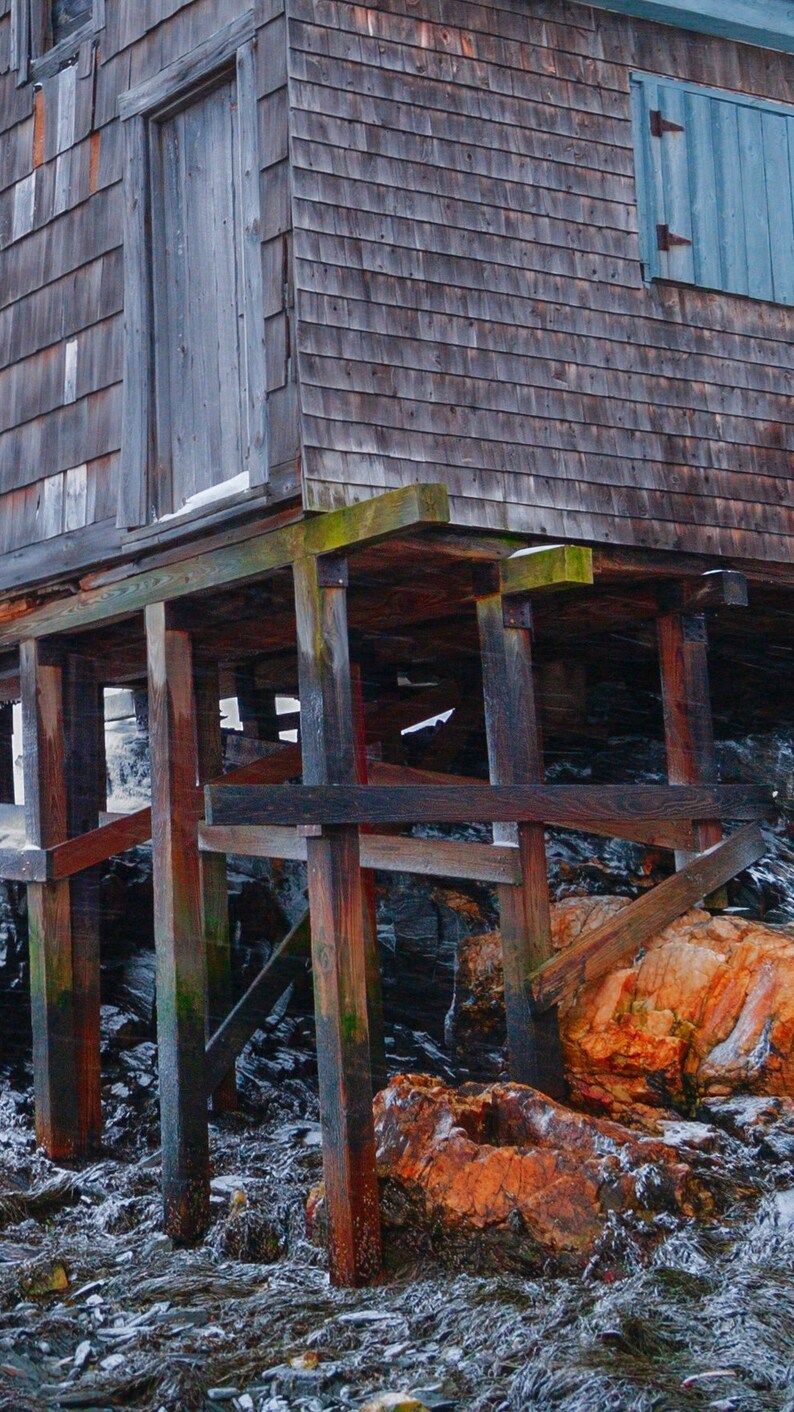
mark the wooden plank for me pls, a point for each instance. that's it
(364, 523)
(253, 302)
(94, 846)
(610, 945)
(181, 968)
(686, 707)
(136, 428)
(377, 1048)
(55, 1081)
(561, 566)
(81, 731)
(284, 968)
(214, 883)
(188, 70)
(337, 924)
(569, 805)
(662, 834)
(515, 757)
(389, 853)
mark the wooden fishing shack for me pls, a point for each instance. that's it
(313, 314)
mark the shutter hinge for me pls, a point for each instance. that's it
(666, 239)
(660, 125)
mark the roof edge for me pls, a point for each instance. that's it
(766, 23)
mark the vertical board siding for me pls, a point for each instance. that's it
(469, 273)
(62, 163)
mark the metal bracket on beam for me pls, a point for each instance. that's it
(517, 611)
(332, 571)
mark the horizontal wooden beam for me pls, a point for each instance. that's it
(428, 857)
(724, 588)
(339, 530)
(561, 566)
(663, 833)
(767, 23)
(23, 864)
(607, 946)
(543, 804)
(283, 968)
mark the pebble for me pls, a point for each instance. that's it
(394, 1402)
(82, 1354)
(223, 1394)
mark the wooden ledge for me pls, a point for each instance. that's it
(559, 804)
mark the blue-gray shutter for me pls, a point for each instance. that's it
(715, 179)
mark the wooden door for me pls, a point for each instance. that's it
(197, 298)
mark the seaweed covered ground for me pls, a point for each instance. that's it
(97, 1310)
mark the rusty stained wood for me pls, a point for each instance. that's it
(82, 728)
(336, 905)
(618, 940)
(686, 707)
(565, 805)
(214, 882)
(377, 1047)
(515, 756)
(52, 977)
(181, 962)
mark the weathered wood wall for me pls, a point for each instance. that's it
(470, 299)
(61, 275)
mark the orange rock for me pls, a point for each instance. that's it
(707, 1010)
(512, 1174)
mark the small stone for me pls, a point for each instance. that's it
(113, 1360)
(223, 1394)
(394, 1402)
(304, 1362)
(82, 1354)
(52, 1280)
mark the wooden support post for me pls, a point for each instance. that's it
(181, 969)
(377, 1047)
(515, 757)
(214, 883)
(6, 754)
(82, 727)
(686, 704)
(55, 1078)
(337, 926)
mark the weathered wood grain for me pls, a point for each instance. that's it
(52, 994)
(285, 967)
(605, 947)
(564, 805)
(336, 905)
(181, 962)
(515, 756)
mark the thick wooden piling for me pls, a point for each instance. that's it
(686, 706)
(181, 968)
(377, 1048)
(515, 757)
(83, 727)
(337, 925)
(214, 882)
(55, 1071)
